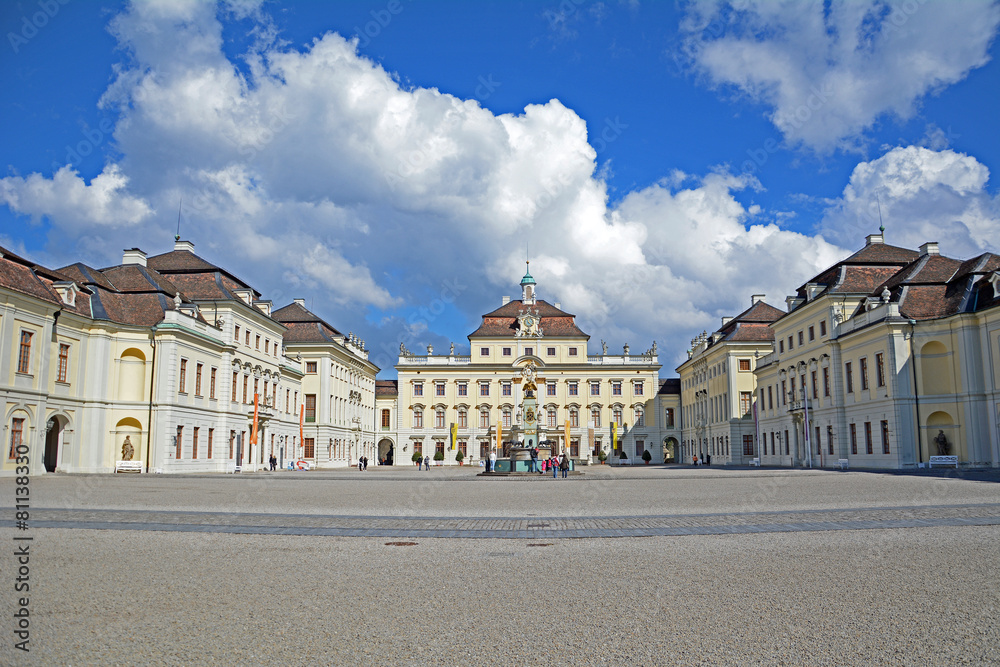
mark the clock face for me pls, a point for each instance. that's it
(529, 321)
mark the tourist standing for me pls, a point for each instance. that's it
(564, 465)
(493, 461)
(554, 462)
(533, 465)
(427, 463)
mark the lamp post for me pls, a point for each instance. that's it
(356, 434)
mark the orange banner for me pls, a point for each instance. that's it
(566, 432)
(253, 431)
(302, 414)
(499, 438)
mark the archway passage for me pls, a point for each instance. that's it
(53, 438)
(385, 451)
(670, 450)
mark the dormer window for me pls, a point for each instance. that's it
(66, 289)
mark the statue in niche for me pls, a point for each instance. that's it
(943, 446)
(128, 451)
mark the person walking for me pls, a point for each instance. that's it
(564, 465)
(427, 463)
(533, 465)
(420, 462)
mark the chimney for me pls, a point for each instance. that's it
(134, 256)
(505, 301)
(558, 305)
(874, 238)
(726, 320)
(184, 245)
(300, 302)
(756, 298)
(929, 248)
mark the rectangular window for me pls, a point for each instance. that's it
(311, 367)
(595, 416)
(16, 437)
(668, 418)
(791, 343)
(439, 389)
(551, 418)
(550, 388)
(197, 379)
(640, 447)
(573, 389)
(815, 385)
(829, 440)
(505, 388)
(463, 389)
(267, 346)
(812, 333)
(530, 351)
(849, 377)
(550, 351)
(826, 381)
(484, 389)
(572, 351)
(863, 367)
(744, 364)
(574, 448)
(638, 388)
(484, 419)
(308, 448)
(232, 442)
(879, 370)
(801, 339)
(781, 346)
(574, 418)
(439, 419)
(418, 419)
(211, 437)
(235, 380)
(237, 336)
(418, 446)
(211, 384)
(595, 388)
(63, 362)
(246, 384)
(770, 402)
(506, 419)
(885, 436)
(463, 419)
(288, 400)
(463, 446)
(484, 352)
(854, 439)
(506, 352)
(616, 388)
(822, 328)
(784, 393)
(178, 439)
(247, 338)
(745, 398)
(182, 383)
(747, 445)
(257, 342)
(868, 438)
(194, 442)
(787, 444)
(310, 407)
(819, 443)
(385, 418)
(418, 389)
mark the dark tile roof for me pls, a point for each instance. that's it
(670, 386)
(750, 333)
(304, 326)
(186, 262)
(386, 387)
(86, 275)
(862, 271)
(503, 321)
(137, 278)
(862, 279)
(751, 324)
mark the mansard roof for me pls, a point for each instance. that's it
(204, 278)
(305, 326)
(503, 321)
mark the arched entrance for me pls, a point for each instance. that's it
(670, 452)
(386, 451)
(54, 429)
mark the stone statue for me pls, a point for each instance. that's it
(177, 300)
(128, 451)
(943, 446)
(626, 349)
(402, 348)
(653, 349)
(430, 350)
(604, 347)
(886, 295)
(452, 350)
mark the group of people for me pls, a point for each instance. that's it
(554, 463)
(273, 461)
(426, 462)
(363, 463)
(705, 459)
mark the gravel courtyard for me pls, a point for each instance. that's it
(399, 567)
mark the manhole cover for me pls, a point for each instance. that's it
(400, 544)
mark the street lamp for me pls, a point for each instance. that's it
(356, 434)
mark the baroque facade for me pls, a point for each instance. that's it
(158, 360)
(883, 360)
(443, 404)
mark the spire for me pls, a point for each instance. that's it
(527, 286)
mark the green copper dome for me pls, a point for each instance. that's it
(527, 279)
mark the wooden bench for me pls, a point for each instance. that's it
(128, 466)
(755, 462)
(943, 461)
(843, 463)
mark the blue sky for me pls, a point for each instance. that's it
(392, 162)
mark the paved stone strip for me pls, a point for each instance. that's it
(514, 527)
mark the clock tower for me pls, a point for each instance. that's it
(527, 287)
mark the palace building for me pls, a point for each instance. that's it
(157, 363)
(885, 359)
(585, 404)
